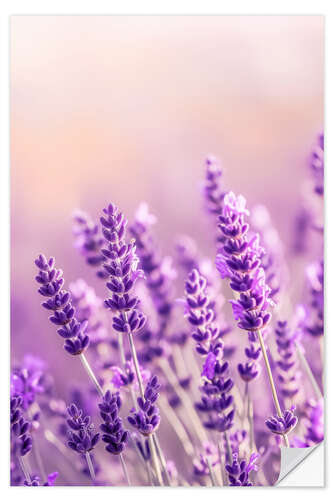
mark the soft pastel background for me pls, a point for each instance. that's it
(125, 109)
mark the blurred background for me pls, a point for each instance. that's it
(125, 109)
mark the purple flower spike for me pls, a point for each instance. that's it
(59, 301)
(147, 419)
(239, 259)
(238, 471)
(287, 364)
(283, 425)
(317, 165)
(114, 434)
(35, 480)
(81, 436)
(248, 371)
(20, 427)
(213, 192)
(159, 271)
(199, 312)
(121, 266)
(89, 241)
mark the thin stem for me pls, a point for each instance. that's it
(123, 464)
(144, 462)
(250, 418)
(37, 454)
(271, 381)
(90, 467)
(222, 465)
(24, 468)
(185, 399)
(154, 460)
(211, 473)
(308, 370)
(121, 349)
(229, 451)
(142, 393)
(136, 365)
(162, 459)
(177, 425)
(91, 374)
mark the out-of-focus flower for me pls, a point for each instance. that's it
(35, 480)
(89, 241)
(20, 427)
(315, 273)
(88, 307)
(317, 165)
(288, 363)
(159, 271)
(123, 377)
(200, 466)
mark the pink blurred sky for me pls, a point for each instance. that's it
(124, 109)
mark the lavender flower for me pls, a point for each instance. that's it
(317, 165)
(121, 266)
(147, 419)
(239, 259)
(81, 436)
(248, 371)
(288, 362)
(200, 467)
(142, 446)
(314, 425)
(216, 399)
(213, 193)
(124, 377)
(28, 380)
(59, 302)
(158, 271)
(198, 312)
(88, 308)
(315, 273)
(89, 241)
(114, 434)
(20, 427)
(283, 425)
(238, 471)
(35, 480)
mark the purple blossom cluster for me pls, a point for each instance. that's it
(121, 265)
(81, 435)
(20, 428)
(147, 418)
(158, 270)
(288, 365)
(59, 302)
(114, 435)
(216, 401)
(89, 241)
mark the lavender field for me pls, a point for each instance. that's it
(167, 304)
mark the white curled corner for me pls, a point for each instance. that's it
(292, 457)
